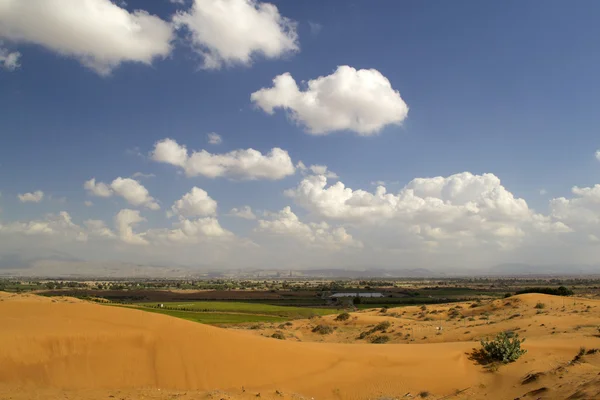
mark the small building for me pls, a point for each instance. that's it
(356, 294)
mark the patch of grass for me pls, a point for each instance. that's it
(380, 339)
(343, 317)
(286, 312)
(322, 329)
(214, 318)
(540, 306)
(532, 377)
(278, 335)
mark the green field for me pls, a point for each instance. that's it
(212, 318)
(230, 312)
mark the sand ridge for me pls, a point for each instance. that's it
(73, 347)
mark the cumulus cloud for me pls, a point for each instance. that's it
(9, 60)
(125, 221)
(99, 189)
(362, 101)
(195, 203)
(598, 155)
(246, 164)
(190, 231)
(52, 225)
(287, 224)
(230, 32)
(244, 212)
(97, 228)
(34, 197)
(131, 190)
(98, 33)
(214, 138)
(134, 192)
(461, 209)
(316, 170)
(580, 213)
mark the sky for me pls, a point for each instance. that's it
(339, 134)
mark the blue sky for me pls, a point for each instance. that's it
(506, 88)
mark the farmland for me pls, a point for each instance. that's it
(221, 312)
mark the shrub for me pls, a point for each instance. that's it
(540, 305)
(343, 317)
(507, 295)
(278, 335)
(379, 339)
(382, 326)
(560, 291)
(322, 329)
(502, 348)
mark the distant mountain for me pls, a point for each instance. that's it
(517, 269)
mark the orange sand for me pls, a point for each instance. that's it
(71, 349)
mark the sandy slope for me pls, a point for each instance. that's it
(64, 348)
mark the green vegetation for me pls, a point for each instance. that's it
(241, 308)
(560, 291)
(322, 329)
(540, 305)
(502, 348)
(216, 318)
(380, 339)
(278, 335)
(343, 317)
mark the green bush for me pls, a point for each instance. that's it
(343, 317)
(540, 305)
(278, 335)
(379, 339)
(560, 291)
(382, 326)
(503, 348)
(322, 329)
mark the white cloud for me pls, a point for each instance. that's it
(142, 175)
(316, 170)
(34, 197)
(134, 192)
(98, 33)
(131, 190)
(287, 224)
(9, 60)
(195, 203)
(99, 189)
(98, 228)
(244, 212)
(52, 225)
(462, 210)
(229, 32)
(362, 101)
(598, 155)
(581, 213)
(88, 203)
(247, 164)
(188, 231)
(125, 221)
(543, 192)
(214, 138)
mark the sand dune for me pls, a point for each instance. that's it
(85, 350)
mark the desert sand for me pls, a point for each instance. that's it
(70, 349)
